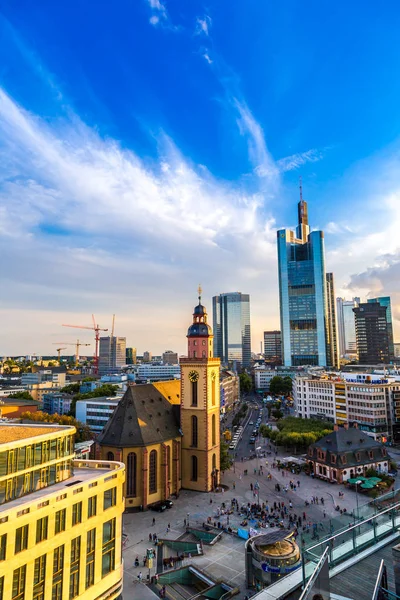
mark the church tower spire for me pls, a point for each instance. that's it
(200, 406)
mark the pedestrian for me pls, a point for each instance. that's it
(154, 521)
(234, 485)
(144, 560)
(324, 515)
(150, 537)
(184, 522)
(298, 484)
(140, 576)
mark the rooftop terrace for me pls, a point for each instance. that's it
(13, 433)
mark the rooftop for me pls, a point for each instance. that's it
(345, 440)
(13, 433)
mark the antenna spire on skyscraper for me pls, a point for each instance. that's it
(301, 188)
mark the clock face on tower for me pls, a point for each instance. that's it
(193, 376)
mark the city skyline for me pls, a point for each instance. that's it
(113, 192)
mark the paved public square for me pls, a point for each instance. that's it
(225, 560)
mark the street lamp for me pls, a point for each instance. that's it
(257, 449)
(188, 516)
(356, 484)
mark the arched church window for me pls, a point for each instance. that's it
(213, 430)
(131, 468)
(169, 462)
(214, 462)
(153, 472)
(204, 342)
(213, 389)
(204, 354)
(194, 432)
(194, 468)
(194, 378)
(110, 455)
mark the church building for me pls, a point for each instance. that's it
(168, 433)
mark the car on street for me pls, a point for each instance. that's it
(232, 446)
(159, 506)
(251, 423)
(168, 503)
(252, 440)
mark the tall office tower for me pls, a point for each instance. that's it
(332, 351)
(273, 347)
(112, 354)
(131, 356)
(170, 358)
(347, 325)
(303, 294)
(372, 333)
(385, 301)
(61, 518)
(147, 356)
(231, 325)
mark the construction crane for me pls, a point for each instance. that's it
(77, 345)
(59, 351)
(97, 330)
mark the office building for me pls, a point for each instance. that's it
(95, 412)
(273, 347)
(170, 358)
(396, 348)
(231, 323)
(229, 390)
(347, 326)
(385, 301)
(372, 333)
(308, 332)
(262, 377)
(147, 373)
(168, 433)
(147, 356)
(112, 354)
(56, 403)
(131, 356)
(61, 519)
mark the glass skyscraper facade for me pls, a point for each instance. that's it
(385, 301)
(308, 321)
(231, 327)
(347, 325)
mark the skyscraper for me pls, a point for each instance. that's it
(347, 325)
(231, 325)
(372, 333)
(273, 347)
(112, 354)
(307, 317)
(385, 301)
(332, 350)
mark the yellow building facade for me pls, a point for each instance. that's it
(168, 434)
(60, 519)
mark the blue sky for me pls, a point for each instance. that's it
(151, 145)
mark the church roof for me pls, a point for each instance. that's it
(145, 415)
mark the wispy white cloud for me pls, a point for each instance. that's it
(206, 56)
(160, 16)
(203, 25)
(290, 163)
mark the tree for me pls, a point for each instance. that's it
(277, 414)
(227, 435)
(281, 386)
(83, 432)
(21, 396)
(246, 383)
(224, 458)
(264, 431)
(71, 388)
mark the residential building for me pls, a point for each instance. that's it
(385, 301)
(12, 408)
(112, 354)
(147, 356)
(56, 403)
(61, 519)
(55, 376)
(262, 377)
(347, 326)
(168, 433)
(11, 389)
(273, 347)
(170, 358)
(229, 390)
(332, 350)
(372, 333)
(303, 292)
(95, 412)
(37, 390)
(346, 453)
(232, 334)
(147, 373)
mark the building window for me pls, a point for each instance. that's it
(213, 430)
(92, 506)
(74, 569)
(39, 576)
(42, 526)
(108, 550)
(213, 389)
(21, 539)
(90, 554)
(194, 432)
(60, 520)
(194, 468)
(1, 586)
(58, 567)
(194, 393)
(169, 463)
(76, 513)
(3, 547)
(18, 586)
(131, 468)
(214, 462)
(153, 472)
(110, 455)
(110, 498)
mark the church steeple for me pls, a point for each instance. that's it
(200, 333)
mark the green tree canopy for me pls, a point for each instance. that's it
(21, 396)
(246, 383)
(225, 459)
(83, 432)
(264, 430)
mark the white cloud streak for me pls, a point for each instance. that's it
(203, 25)
(290, 163)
